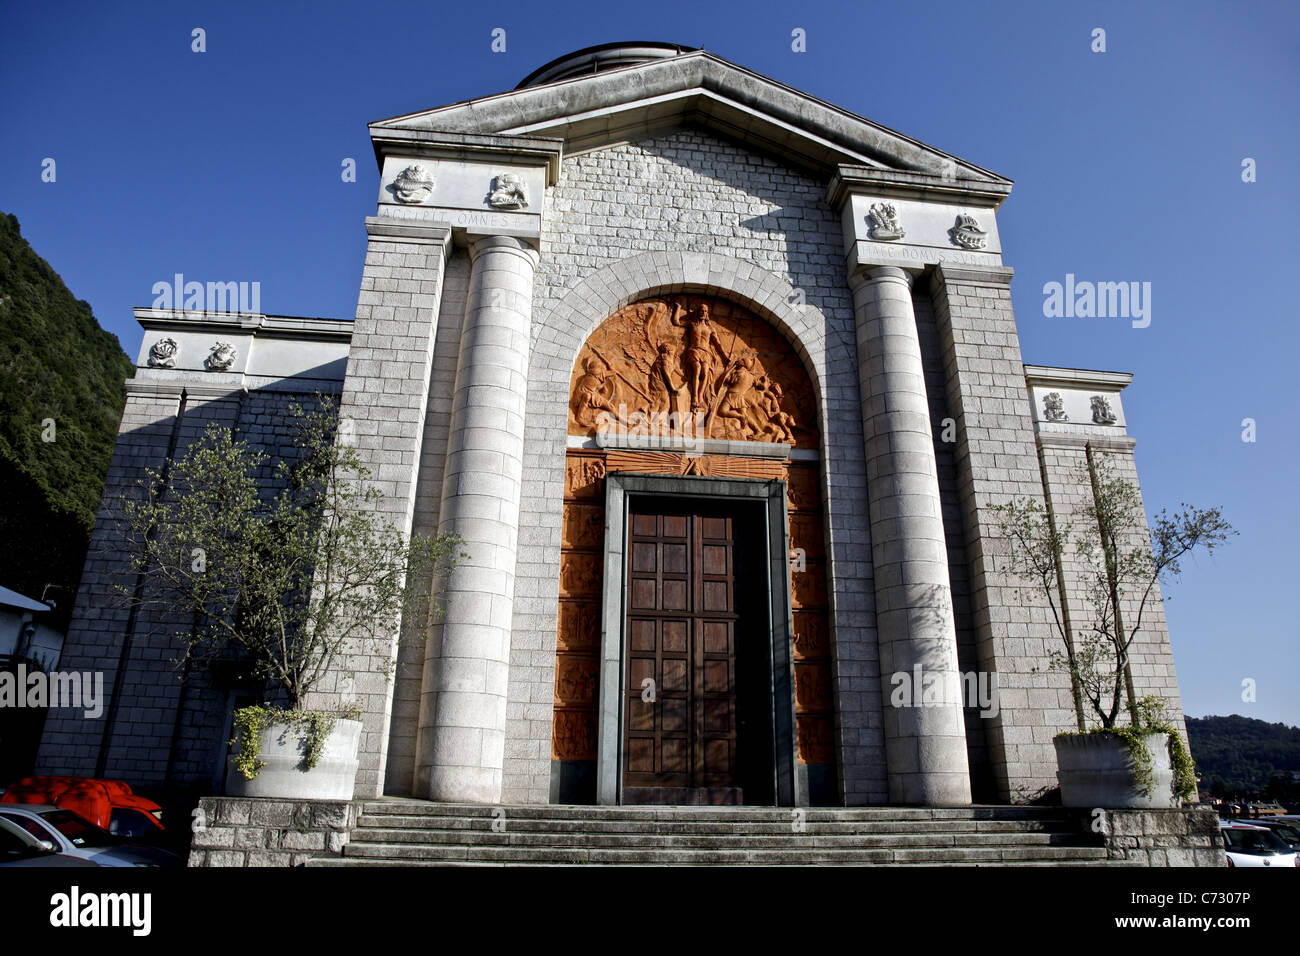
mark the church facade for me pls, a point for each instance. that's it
(718, 384)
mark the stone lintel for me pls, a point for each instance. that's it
(406, 230)
(283, 326)
(988, 277)
(1077, 378)
(1117, 443)
(900, 184)
(173, 389)
(515, 150)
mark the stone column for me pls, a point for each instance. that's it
(461, 745)
(925, 737)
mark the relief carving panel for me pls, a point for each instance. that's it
(690, 366)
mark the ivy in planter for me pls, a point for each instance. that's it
(315, 726)
(1153, 720)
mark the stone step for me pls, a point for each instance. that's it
(707, 826)
(361, 861)
(707, 841)
(713, 856)
(738, 814)
(403, 832)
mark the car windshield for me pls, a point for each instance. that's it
(1254, 841)
(78, 831)
(12, 846)
(1287, 833)
(130, 823)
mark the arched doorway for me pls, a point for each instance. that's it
(693, 659)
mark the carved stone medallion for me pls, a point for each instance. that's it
(221, 358)
(1101, 411)
(883, 217)
(413, 184)
(508, 192)
(967, 233)
(162, 354)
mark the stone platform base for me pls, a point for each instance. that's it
(243, 831)
(1181, 837)
(251, 831)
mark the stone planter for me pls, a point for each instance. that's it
(1096, 770)
(283, 749)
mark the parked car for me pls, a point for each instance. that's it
(1249, 845)
(76, 836)
(1287, 830)
(108, 804)
(20, 848)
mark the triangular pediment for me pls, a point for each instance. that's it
(694, 89)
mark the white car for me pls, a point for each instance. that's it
(20, 848)
(72, 835)
(1248, 845)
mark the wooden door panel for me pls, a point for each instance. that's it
(681, 626)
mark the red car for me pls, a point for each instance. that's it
(108, 804)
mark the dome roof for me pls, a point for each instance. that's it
(606, 56)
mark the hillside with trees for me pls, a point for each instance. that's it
(61, 378)
(1237, 756)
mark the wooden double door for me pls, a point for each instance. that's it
(697, 701)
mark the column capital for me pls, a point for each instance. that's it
(508, 244)
(873, 273)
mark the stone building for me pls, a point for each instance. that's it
(718, 382)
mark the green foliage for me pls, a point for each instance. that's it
(301, 572)
(55, 363)
(1153, 719)
(313, 726)
(1121, 561)
(1242, 755)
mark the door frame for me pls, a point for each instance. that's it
(620, 488)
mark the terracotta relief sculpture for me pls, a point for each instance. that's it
(666, 365)
(691, 367)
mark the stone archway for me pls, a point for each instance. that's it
(699, 386)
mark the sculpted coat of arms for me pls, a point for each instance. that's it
(221, 358)
(162, 354)
(1102, 414)
(967, 233)
(413, 184)
(508, 192)
(883, 217)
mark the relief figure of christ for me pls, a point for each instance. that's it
(701, 337)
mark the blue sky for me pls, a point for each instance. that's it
(225, 165)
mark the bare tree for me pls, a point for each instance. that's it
(1123, 564)
(299, 572)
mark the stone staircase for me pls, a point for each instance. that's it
(398, 832)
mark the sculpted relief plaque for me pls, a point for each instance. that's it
(692, 367)
(683, 367)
